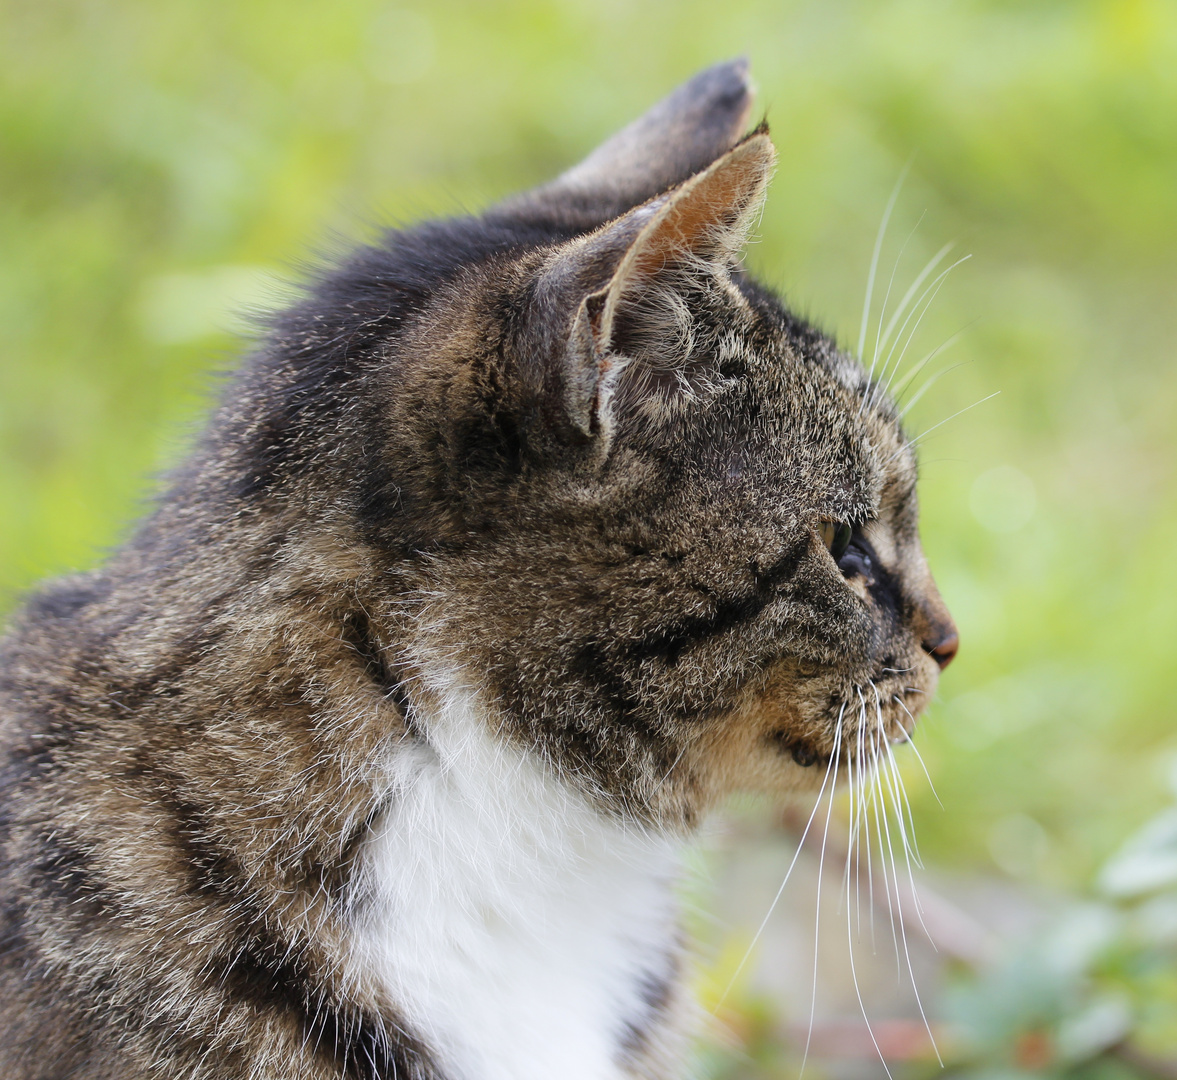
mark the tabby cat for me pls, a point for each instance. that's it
(521, 542)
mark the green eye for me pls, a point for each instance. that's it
(836, 537)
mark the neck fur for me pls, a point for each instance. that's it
(522, 932)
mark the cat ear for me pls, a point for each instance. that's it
(622, 293)
(682, 134)
(698, 230)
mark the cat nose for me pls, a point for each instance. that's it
(942, 647)
(933, 623)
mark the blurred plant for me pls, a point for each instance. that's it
(1090, 993)
(1093, 992)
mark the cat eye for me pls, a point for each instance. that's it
(836, 537)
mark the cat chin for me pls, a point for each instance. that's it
(793, 727)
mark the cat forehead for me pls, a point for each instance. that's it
(789, 360)
(798, 418)
(822, 397)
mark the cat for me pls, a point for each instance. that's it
(520, 543)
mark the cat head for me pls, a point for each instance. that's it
(664, 529)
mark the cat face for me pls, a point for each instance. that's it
(673, 526)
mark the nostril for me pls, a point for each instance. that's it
(945, 649)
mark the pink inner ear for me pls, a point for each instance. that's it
(698, 227)
(707, 216)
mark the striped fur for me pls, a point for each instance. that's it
(371, 754)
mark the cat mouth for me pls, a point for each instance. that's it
(882, 713)
(801, 750)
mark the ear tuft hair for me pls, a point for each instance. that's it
(693, 242)
(630, 292)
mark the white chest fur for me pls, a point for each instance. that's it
(517, 928)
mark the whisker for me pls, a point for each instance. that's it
(854, 769)
(880, 821)
(929, 266)
(849, 933)
(874, 259)
(817, 910)
(666, 775)
(861, 1003)
(899, 801)
(883, 827)
(928, 357)
(858, 804)
(890, 853)
(930, 295)
(925, 434)
(850, 831)
(898, 780)
(915, 901)
(919, 907)
(905, 823)
(880, 339)
(870, 874)
(929, 382)
(800, 844)
(916, 750)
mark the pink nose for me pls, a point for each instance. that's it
(944, 650)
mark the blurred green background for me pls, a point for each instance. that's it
(168, 165)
